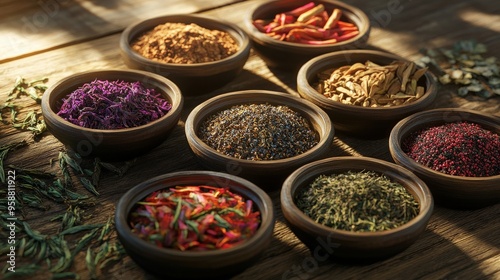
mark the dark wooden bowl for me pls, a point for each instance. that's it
(175, 264)
(356, 120)
(290, 56)
(192, 79)
(325, 242)
(265, 173)
(114, 144)
(448, 190)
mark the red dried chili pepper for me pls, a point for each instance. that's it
(308, 24)
(194, 218)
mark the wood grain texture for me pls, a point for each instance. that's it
(84, 35)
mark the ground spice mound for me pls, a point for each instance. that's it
(258, 132)
(460, 149)
(185, 44)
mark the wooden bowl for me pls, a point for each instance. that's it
(356, 120)
(289, 55)
(265, 173)
(192, 79)
(175, 264)
(325, 242)
(448, 190)
(113, 144)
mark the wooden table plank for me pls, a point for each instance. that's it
(35, 26)
(456, 244)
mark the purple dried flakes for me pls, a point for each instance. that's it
(103, 104)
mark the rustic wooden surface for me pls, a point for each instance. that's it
(57, 38)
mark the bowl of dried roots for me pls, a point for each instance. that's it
(366, 92)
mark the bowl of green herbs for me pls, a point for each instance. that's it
(355, 208)
(195, 224)
(112, 114)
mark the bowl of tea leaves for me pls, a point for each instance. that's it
(355, 208)
(366, 92)
(195, 224)
(259, 135)
(113, 114)
(455, 151)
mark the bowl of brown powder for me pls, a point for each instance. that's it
(196, 52)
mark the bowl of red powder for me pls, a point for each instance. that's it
(455, 151)
(195, 224)
(113, 114)
(199, 53)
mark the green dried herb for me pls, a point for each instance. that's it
(33, 233)
(27, 270)
(85, 240)
(65, 275)
(4, 150)
(77, 229)
(357, 201)
(65, 260)
(31, 122)
(88, 185)
(90, 261)
(464, 65)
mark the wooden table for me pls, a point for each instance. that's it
(57, 38)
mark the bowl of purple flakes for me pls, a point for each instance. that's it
(112, 114)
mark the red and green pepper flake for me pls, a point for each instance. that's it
(194, 218)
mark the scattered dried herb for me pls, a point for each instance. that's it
(371, 85)
(32, 121)
(465, 65)
(4, 150)
(458, 148)
(308, 24)
(181, 43)
(103, 104)
(28, 88)
(23, 271)
(258, 132)
(361, 201)
(194, 218)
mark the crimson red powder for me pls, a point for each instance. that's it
(459, 148)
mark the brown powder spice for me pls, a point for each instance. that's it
(184, 44)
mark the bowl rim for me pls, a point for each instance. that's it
(419, 187)
(364, 26)
(142, 26)
(396, 136)
(139, 191)
(175, 96)
(326, 138)
(306, 90)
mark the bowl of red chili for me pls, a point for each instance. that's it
(366, 92)
(355, 209)
(259, 135)
(285, 34)
(199, 53)
(455, 151)
(113, 114)
(195, 224)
